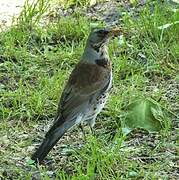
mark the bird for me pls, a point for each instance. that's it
(85, 92)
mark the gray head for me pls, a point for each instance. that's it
(98, 38)
(96, 46)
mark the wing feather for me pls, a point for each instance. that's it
(86, 82)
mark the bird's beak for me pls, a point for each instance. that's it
(115, 32)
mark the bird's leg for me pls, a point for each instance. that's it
(81, 127)
(91, 123)
(92, 131)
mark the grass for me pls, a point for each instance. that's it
(35, 62)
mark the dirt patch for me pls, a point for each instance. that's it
(8, 10)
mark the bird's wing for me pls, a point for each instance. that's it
(85, 82)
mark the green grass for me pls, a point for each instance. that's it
(35, 62)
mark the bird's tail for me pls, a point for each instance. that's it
(51, 138)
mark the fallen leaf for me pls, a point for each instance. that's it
(144, 113)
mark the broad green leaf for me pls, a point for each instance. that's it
(144, 113)
(30, 162)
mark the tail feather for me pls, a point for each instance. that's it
(52, 137)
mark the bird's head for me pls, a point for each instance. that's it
(100, 37)
(96, 46)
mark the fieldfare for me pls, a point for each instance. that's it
(85, 93)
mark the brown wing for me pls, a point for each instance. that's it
(86, 81)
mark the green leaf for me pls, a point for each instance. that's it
(144, 113)
(133, 2)
(30, 162)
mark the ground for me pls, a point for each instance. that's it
(8, 10)
(37, 54)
